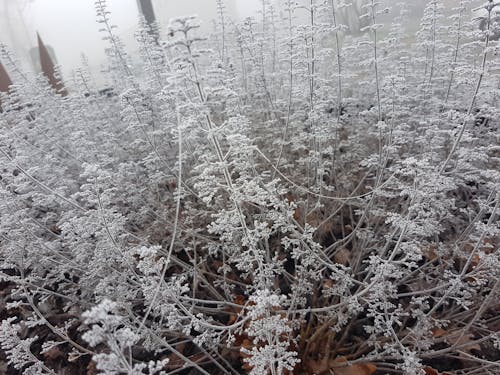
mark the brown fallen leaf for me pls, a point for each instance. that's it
(291, 199)
(490, 245)
(53, 353)
(339, 366)
(327, 284)
(430, 371)
(356, 369)
(247, 344)
(92, 368)
(462, 342)
(438, 332)
(430, 252)
(342, 256)
(175, 363)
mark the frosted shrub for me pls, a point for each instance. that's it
(286, 195)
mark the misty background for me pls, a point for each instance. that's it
(70, 30)
(69, 27)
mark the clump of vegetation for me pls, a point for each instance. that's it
(278, 198)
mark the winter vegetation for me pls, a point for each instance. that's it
(282, 196)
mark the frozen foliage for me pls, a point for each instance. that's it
(288, 194)
(107, 328)
(18, 351)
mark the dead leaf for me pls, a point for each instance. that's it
(175, 362)
(463, 342)
(235, 311)
(340, 366)
(438, 332)
(356, 369)
(342, 256)
(291, 199)
(474, 262)
(92, 368)
(489, 245)
(327, 284)
(53, 353)
(240, 300)
(247, 344)
(430, 371)
(468, 247)
(317, 367)
(55, 229)
(430, 253)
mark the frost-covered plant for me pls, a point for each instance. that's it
(303, 192)
(18, 350)
(271, 336)
(106, 327)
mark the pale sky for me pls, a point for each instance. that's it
(70, 27)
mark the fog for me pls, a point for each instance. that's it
(70, 28)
